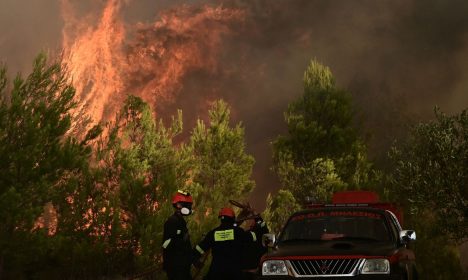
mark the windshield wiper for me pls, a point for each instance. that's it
(300, 240)
(357, 238)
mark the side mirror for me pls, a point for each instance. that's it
(268, 240)
(407, 236)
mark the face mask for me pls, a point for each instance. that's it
(185, 211)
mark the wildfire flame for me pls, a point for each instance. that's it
(105, 65)
(95, 58)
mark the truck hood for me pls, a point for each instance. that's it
(331, 248)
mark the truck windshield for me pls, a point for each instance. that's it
(322, 225)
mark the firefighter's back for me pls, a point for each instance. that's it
(228, 244)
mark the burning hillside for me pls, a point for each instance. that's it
(111, 59)
(252, 53)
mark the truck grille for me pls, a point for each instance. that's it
(323, 267)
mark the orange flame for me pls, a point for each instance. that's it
(104, 67)
(95, 58)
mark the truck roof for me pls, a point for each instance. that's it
(366, 199)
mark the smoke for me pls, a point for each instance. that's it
(398, 58)
(26, 27)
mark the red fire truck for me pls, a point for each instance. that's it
(354, 237)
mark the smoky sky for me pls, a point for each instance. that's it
(397, 58)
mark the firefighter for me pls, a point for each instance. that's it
(253, 223)
(177, 249)
(226, 243)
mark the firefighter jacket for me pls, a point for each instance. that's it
(254, 251)
(177, 249)
(226, 243)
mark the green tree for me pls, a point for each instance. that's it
(279, 208)
(142, 169)
(431, 171)
(316, 179)
(437, 257)
(429, 177)
(321, 153)
(223, 169)
(38, 156)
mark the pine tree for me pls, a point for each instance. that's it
(142, 169)
(223, 169)
(321, 139)
(39, 156)
(321, 153)
(279, 208)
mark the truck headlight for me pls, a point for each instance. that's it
(274, 267)
(376, 266)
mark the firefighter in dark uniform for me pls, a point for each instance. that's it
(255, 250)
(226, 243)
(177, 249)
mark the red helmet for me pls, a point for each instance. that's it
(227, 212)
(182, 196)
